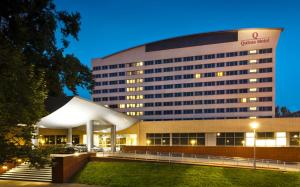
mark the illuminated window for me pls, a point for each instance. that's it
(139, 80)
(121, 105)
(244, 100)
(252, 117)
(253, 99)
(198, 75)
(253, 52)
(252, 61)
(253, 70)
(135, 113)
(252, 89)
(220, 74)
(253, 108)
(139, 64)
(252, 80)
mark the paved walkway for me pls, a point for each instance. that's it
(208, 160)
(11, 183)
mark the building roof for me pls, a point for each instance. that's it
(191, 40)
(72, 112)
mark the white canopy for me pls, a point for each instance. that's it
(78, 111)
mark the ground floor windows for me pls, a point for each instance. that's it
(294, 138)
(175, 139)
(188, 139)
(230, 139)
(266, 139)
(158, 139)
(53, 139)
(49, 139)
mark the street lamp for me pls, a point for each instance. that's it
(254, 125)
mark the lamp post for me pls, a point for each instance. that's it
(254, 125)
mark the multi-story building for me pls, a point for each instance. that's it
(216, 75)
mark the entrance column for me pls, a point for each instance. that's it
(70, 136)
(113, 138)
(89, 135)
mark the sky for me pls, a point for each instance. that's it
(108, 26)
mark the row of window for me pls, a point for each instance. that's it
(172, 118)
(207, 57)
(187, 85)
(184, 59)
(222, 138)
(184, 68)
(59, 139)
(192, 76)
(209, 101)
(208, 110)
(184, 94)
(206, 66)
(177, 139)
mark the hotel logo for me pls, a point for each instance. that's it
(255, 40)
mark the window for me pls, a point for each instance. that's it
(295, 138)
(61, 139)
(230, 139)
(251, 52)
(198, 75)
(191, 139)
(158, 139)
(49, 139)
(219, 74)
(252, 80)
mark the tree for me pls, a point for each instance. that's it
(32, 66)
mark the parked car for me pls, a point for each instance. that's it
(97, 149)
(80, 148)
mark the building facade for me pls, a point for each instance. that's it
(271, 132)
(217, 75)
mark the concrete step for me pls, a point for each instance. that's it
(24, 172)
(27, 179)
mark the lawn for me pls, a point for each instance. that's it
(135, 174)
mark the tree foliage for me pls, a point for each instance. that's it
(33, 66)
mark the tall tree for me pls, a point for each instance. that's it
(33, 66)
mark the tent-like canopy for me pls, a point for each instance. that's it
(70, 112)
(77, 111)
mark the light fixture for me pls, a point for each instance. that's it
(254, 125)
(193, 142)
(19, 160)
(4, 167)
(148, 142)
(76, 154)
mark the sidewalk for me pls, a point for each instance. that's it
(207, 160)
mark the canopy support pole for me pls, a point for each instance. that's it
(113, 138)
(89, 135)
(70, 136)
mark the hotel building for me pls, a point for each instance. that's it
(203, 89)
(216, 75)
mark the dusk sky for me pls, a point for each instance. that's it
(112, 25)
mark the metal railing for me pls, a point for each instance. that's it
(173, 157)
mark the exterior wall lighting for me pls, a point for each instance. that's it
(254, 125)
(148, 142)
(193, 142)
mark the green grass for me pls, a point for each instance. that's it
(134, 174)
